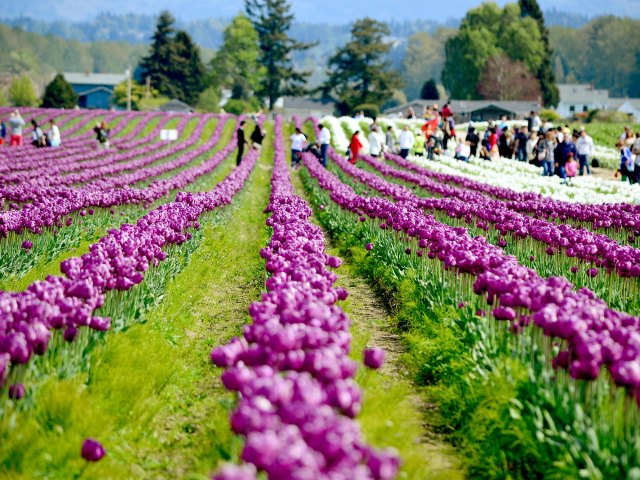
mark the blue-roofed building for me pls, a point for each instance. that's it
(94, 90)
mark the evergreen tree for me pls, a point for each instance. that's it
(59, 94)
(550, 93)
(360, 72)
(187, 69)
(158, 63)
(272, 20)
(429, 90)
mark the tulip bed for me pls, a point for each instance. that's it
(291, 367)
(567, 409)
(515, 311)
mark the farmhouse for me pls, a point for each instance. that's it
(472, 110)
(581, 98)
(94, 90)
(306, 107)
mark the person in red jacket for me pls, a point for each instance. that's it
(355, 147)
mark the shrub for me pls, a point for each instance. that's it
(604, 116)
(370, 110)
(550, 116)
(238, 107)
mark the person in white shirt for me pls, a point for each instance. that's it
(585, 148)
(298, 141)
(375, 145)
(54, 134)
(324, 139)
(406, 141)
(536, 123)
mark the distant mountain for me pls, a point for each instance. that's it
(328, 11)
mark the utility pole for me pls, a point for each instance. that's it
(128, 72)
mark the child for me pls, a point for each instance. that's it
(572, 167)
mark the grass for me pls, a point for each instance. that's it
(393, 410)
(151, 395)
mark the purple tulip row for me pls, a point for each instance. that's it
(117, 261)
(457, 203)
(291, 367)
(602, 216)
(592, 334)
(51, 210)
(106, 164)
(70, 148)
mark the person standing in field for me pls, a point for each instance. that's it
(298, 141)
(375, 145)
(406, 141)
(390, 141)
(17, 124)
(354, 147)
(627, 166)
(585, 148)
(3, 132)
(473, 140)
(419, 144)
(256, 137)
(324, 139)
(54, 134)
(241, 142)
(546, 151)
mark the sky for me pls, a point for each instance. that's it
(324, 11)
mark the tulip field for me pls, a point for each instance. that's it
(165, 313)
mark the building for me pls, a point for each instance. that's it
(472, 110)
(305, 107)
(581, 98)
(630, 106)
(94, 90)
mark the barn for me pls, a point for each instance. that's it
(94, 90)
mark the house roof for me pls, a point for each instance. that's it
(175, 105)
(81, 78)
(94, 90)
(582, 93)
(468, 106)
(615, 103)
(306, 103)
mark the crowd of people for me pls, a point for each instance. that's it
(39, 138)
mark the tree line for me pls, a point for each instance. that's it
(499, 53)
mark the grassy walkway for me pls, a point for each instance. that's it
(151, 396)
(393, 412)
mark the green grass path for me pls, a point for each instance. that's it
(393, 412)
(151, 396)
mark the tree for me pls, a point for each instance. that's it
(236, 65)
(550, 93)
(485, 32)
(138, 93)
(59, 94)
(424, 59)
(506, 79)
(22, 93)
(429, 90)
(187, 72)
(157, 65)
(359, 71)
(272, 20)
(209, 100)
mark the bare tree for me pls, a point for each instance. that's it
(506, 79)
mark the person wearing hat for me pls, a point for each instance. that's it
(473, 139)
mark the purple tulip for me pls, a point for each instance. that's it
(369, 246)
(592, 272)
(27, 244)
(92, 450)
(16, 391)
(374, 357)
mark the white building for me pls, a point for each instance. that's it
(630, 106)
(581, 98)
